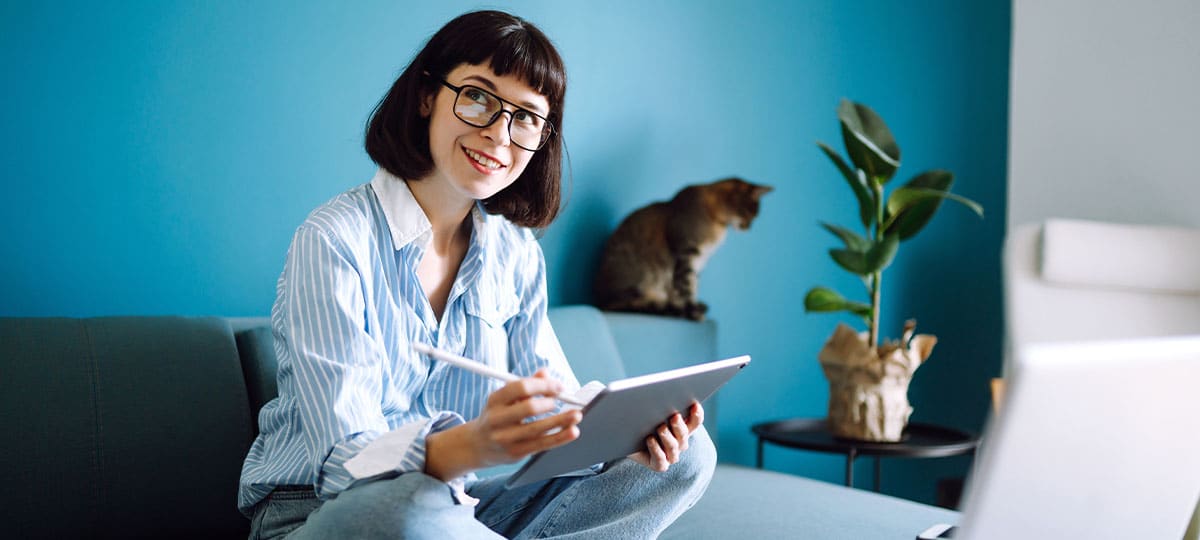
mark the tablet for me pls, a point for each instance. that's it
(617, 421)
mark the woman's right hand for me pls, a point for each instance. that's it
(501, 433)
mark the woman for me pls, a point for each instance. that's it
(369, 439)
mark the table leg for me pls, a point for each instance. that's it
(759, 462)
(850, 455)
(876, 474)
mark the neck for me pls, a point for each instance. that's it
(448, 214)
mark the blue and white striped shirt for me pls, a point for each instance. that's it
(348, 304)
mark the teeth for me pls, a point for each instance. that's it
(482, 160)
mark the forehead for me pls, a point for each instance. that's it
(508, 87)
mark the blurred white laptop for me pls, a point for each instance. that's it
(1094, 440)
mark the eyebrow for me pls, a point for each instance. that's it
(492, 86)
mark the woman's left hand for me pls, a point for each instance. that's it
(670, 440)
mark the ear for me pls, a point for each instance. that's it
(760, 190)
(426, 108)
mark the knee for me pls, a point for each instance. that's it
(411, 504)
(699, 460)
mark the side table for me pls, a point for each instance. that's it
(920, 441)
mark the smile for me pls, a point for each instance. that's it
(483, 160)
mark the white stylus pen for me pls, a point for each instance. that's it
(476, 367)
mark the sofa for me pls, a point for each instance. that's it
(130, 427)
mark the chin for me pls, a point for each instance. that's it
(485, 188)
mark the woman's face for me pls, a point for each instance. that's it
(478, 162)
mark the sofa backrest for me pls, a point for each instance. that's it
(587, 343)
(256, 347)
(120, 427)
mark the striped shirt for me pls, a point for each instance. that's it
(354, 401)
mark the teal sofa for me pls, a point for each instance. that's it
(134, 427)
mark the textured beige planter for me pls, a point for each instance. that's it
(868, 391)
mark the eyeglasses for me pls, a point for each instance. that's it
(480, 108)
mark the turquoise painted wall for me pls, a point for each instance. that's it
(158, 156)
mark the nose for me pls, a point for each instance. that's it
(498, 129)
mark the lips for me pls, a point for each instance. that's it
(483, 160)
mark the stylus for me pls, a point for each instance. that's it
(476, 367)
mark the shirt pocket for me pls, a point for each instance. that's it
(487, 338)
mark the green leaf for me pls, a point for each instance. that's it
(853, 241)
(854, 261)
(905, 198)
(875, 258)
(912, 206)
(858, 183)
(881, 254)
(825, 300)
(868, 141)
(909, 221)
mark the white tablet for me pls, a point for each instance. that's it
(617, 421)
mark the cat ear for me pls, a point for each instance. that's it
(760, 190)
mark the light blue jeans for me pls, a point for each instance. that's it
(624, 500)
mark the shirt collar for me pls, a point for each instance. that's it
(405, 218)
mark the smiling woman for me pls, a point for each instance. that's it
(399, 133)
(370, 439)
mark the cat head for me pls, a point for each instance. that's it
(736, 201)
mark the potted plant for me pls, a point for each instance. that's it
(868, 381)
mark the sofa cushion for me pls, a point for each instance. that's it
(750, 503)
(139, 428)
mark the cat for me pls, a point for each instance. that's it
(651, 263)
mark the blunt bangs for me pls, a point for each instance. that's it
(510, 46)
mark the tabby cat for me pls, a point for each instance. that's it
(651, 263)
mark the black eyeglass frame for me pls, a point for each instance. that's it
(546, 133)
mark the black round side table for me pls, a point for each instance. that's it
(919, 441)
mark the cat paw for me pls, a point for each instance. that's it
(695, 311)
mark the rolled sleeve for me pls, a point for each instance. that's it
(399, 451)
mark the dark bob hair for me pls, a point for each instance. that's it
(397, 137)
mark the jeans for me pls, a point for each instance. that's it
(623, 500)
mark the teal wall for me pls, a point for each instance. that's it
(158, 155)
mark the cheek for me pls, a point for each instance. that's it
(520, 163)
(443, 132)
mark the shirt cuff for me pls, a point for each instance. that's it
(401, 450)
(585, 394)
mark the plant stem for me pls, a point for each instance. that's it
(876, 286)
(876, 277)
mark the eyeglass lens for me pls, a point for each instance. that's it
(480, 108)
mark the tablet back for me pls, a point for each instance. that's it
(617, 422)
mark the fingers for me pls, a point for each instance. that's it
(658, 458)
(695, 417)
(540, 384)
(516, 413)
(525, 439)
(680, 431)
(668, 443)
